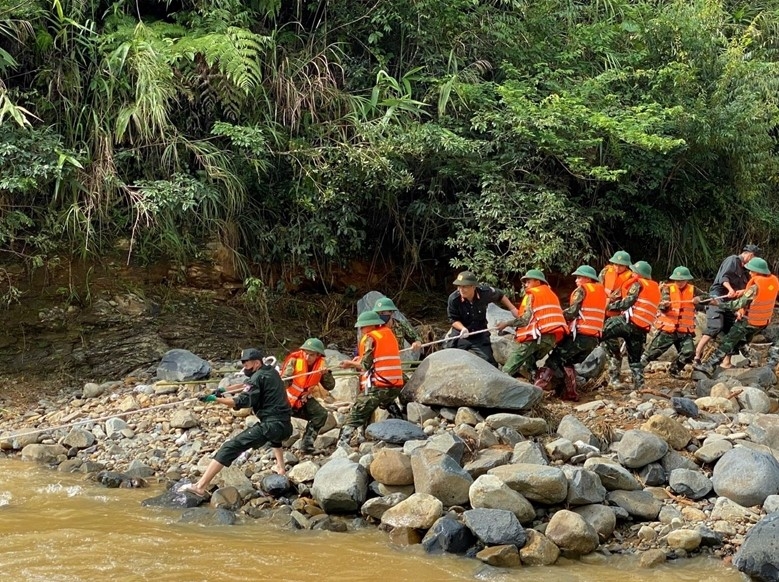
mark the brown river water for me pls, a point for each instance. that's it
(58, 527)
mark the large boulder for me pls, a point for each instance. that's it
(759, 554)
(392, 467)
(600, 517)
(420, 511)
(46, 454)
(395, 431)
(182, 365)
(457, 378)
(495, 527)
(584, 486)
(489, 492)
(439, 475)
(571, 533)
(539, 483)
(340, 486)
(639, 447)
(639, 504)
(746, 476)
(448, 535)
(692, 484)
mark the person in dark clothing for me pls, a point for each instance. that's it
(467, 311)
(266, 396)
(731, 279)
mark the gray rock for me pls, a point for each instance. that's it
(764, 430)
(727, 510)
(674, 460)
(182, 365)
(486, 460)
(467, 415)
(593, 365)
(78, 438)
(235, 476)
(227, 497)
(709, 538)
(46, 454)
(495, 527)
(560, 449)
(573, 429)
(275, 485)
(208, 517)
(601, 518)
(571, 533)
(754, 400)
(759, 554)
(457, 378)
(638, 448)
(771, 504)
(529, 452)
(139, 469)
(395, 431)
(303, 472)
(340, 486)
(711, 452)
(524, 425)
(183, 419)
(114, 426)
(612, 475)
(419, 413)
(652, 475)
(489, 492)
(376, 507)
(449, 444)
(746, 476)
(508, 436)
(763, 377)
(538, 483)
(692, 484)
(173, 498)
(439, 475)
(639, 504)
(448, 535)
(685, 407)
(584, 487)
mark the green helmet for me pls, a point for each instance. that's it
(620, 258)
(758, 265)
(535, 274)
(466, 278)
(681, 274)
(384, 304)
(367, 318)
(314, 344)
(586, 271)
(642, 268)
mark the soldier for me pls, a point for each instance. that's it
(402, 330)
(753, 312)
(306, 367)
(675, 321)
(381, 380)
(467, 311)
(731, 278)
(266, 396)
(614, 275)
(638, 305)
(585, 316)
(539, 326)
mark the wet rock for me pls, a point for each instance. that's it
(684, 407)
(651, 558)
(506, 556)
(457, 378)
(638, 448)
(584, 486)
(448, 535)
(539, 550)
(174, 499)
(711, 452)
(439, 475)
(340, 486)
(669, 430)
(684, 539)
(182, 365)
(571, 533)
(489, 492)
(746, 476)
(709, 538)
(395, 431)
(376, 507)
(692, 484)
(46, 454)
(652, 475)
(524, 425)
(639, 504)
(485, 460)
(612, 475)
(79, 438)
(495, 527)
(392, 467)
(139, 469)
(573, 429)
(208, 517)
(449, 444)
(183, 419)
(275, 485)
(601, 518)
(759, 554)
(536, 482)
(420, 511)
(226, 497)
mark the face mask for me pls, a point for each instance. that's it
(247, 372)
(385, 318)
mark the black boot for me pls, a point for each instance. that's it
(307, 442)
(711, 363)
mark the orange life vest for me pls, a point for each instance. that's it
(592, 311)
(644, 311)
(386, 371)
(760, 311)
(547, 315)
(680, 317)
(613, 281)
(299, 388)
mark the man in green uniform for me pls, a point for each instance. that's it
(298, 387)
(381, 382)
(743, 331)
(403, 330)
(266, 396)
(675, 321)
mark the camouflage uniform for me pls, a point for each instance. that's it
(311, 410)
(619, 327)
(524, 355)
(372, 399)
(741, 333)
(403, 330)
(571, 350)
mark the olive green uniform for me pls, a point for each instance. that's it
(571, 350)
(524, 355)
(368, 401)
(619, 327)
(403, 330)
(311, 410)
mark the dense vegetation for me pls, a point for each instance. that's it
(491, 134)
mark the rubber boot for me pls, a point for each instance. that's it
(614, 366)
(346, 436)
(773, 357)
(570, 392)
(711, 363)
(395, 411)
(544, 379)
(675, 370)
(307, 442)
(638, 376)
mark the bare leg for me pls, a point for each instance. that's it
(725, 364)
(211, 471)
(278, 453)
(701, 344)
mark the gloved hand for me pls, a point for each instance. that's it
(208, 398)
(464, 333)
(219, 392)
